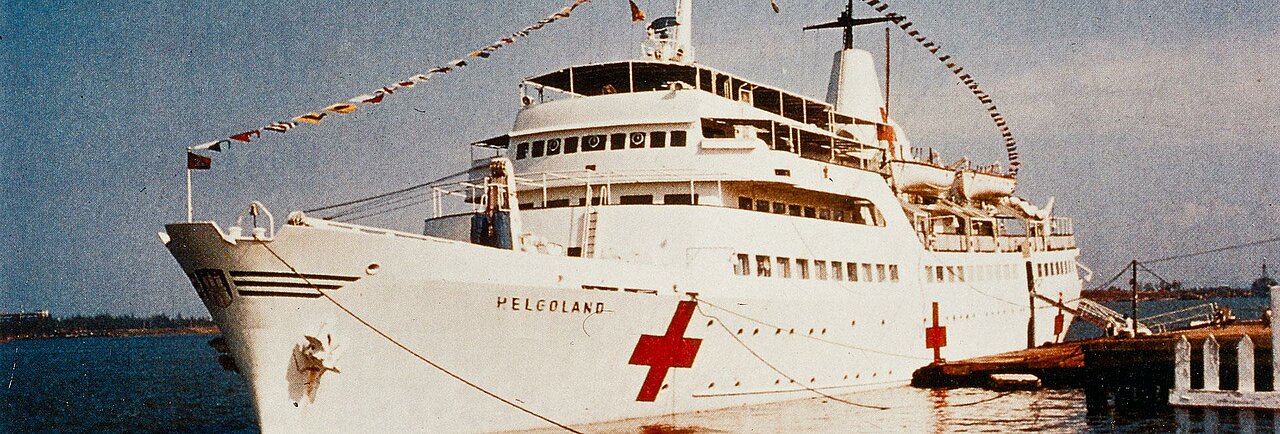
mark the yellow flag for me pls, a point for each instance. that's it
(342, 108)
(637, 15)
(311, 118)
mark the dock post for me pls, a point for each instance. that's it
(1212, 363)
(1182, 364)
(1244, 364)
(1031, 311)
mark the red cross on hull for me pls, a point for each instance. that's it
(661, 353)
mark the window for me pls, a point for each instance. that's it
(810, 212)
(782, 172)
(880, 273)
(522, 150)
(678, 138)
(837, 215)
(636, 199)
(742, 266)
(638, 139)
(618, 141)
(539, 148)
(824, 214)
(558, 203)
(866, 273)
(593, 143)
(837, 271)
(684, 199)
(570, 145)
(779, 208)
(802, 265)
(960, 273)
(762, 266)
(762, 205)
(820, 269)
(928, 273)
(553, 146)
(744, 202)
(937, 274)
(527, 205)
(853, 271)
(951, 274)
(794, 210)
(658, 139)
(865, 213)
(893, 272)
(784, 267)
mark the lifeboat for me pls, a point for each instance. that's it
(973, 184)
(918, 177)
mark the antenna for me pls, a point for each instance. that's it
(848, 22)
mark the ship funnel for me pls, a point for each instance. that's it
(854, 88)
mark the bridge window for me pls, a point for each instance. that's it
(820, 269)
(784, 267)
(636, 199)
(685, 199)
(802, 265)
(779, 208)
(618, 141)
(762, 266)
(794, 210)
(658, 139)
(742, 266)
(522, 150)
(810, 212)
(678, 138)
(762, 205)
(744, 202)
(539, 148)
(570, 145)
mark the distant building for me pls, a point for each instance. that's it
(1262, 285)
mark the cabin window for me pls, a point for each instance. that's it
(782, 172)
(526, 205)
(685, 199)
(837, 215)
(593, 143)
(881, 275)
(618, 141)
(636, 199)
(539, 148)
(716, 129)
(558, 203)
(802, 267)
(678, 138)
(853, 271)
(820, 269)
(928, 273)
(762, 205)
(794, 210)
(658, 139)
(744, 203)
(638, 139)
(893, 272)
(522, 150)
(937, 274)
(553, 146)
(762, 266)
(742, 266)
(784, 267)
(570, 145)
(824, 214)
(779, 208)
(810, 212)
(837, 271)
(866, 273)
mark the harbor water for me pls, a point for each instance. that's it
(174, 384)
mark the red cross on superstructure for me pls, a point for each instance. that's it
(661, 353)
(935, 337)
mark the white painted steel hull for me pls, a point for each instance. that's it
(921, 178)
(487, 316)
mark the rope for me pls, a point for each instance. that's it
(387, 194)
(414, 353)
(980, 401)
(1205, 252)
(775, 368)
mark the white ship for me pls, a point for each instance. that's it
(652, 237)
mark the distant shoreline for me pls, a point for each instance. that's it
(163, 331)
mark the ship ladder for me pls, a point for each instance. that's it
(589, 233)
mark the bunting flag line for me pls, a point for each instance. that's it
(1011, 144)
(200, 162)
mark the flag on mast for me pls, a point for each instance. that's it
(637, 15)
(198, 162)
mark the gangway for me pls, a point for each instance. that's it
(1108, 319)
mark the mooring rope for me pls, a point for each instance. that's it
(412, 352)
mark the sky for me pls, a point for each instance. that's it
(1153, 124)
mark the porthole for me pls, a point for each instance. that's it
(372, 269)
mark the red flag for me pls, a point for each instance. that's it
(198, 162)
(246, 136)
(884, 131)
(637, 15)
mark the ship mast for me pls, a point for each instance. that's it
(671, 38)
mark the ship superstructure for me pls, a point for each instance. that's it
(652, 236)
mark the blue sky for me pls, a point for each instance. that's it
(1153, 123)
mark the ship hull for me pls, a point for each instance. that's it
(426, 334)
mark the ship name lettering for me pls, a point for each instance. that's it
(523, 304)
